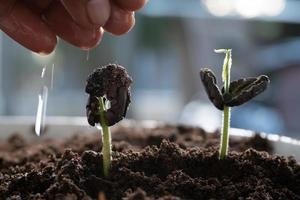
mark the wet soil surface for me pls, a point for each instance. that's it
(167, 162)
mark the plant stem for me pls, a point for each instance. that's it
(226, 113)
(106, 139)
(225, 133)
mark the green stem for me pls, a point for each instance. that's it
(226, 113)
(225, 133)
(106, 139)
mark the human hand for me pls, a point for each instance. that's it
(35, 24)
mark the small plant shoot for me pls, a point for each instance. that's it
(109, 97)
(233, 93)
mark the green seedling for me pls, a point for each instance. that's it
(233, 93)
(109, 97)
(106, 137)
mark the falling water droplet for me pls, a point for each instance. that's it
(43, 72)
(39, 116)
(52, 76)
(88, 55)
(41, 111)
(42, 105)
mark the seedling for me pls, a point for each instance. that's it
(109, 97)
(233, 93)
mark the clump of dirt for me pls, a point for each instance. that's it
(180, 163)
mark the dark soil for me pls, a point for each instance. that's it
(181, 163)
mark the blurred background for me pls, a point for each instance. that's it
(171, 41)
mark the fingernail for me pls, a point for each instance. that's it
(98, 11)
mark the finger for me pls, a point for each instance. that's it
(130, 5)
(120, 21)
(6, 7)
(37, 6)
(88, 14)
(63, 25)
(27, 28)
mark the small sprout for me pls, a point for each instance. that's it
(109, 97)
(233, 93)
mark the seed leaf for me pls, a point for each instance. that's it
(210, 84)
(244, 90)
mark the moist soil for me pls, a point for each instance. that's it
(166, 163)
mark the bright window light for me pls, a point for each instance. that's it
(245, 8)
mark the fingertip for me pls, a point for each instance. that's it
(47, 46)
(131, 5)
(95, 42)
(120, 21)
